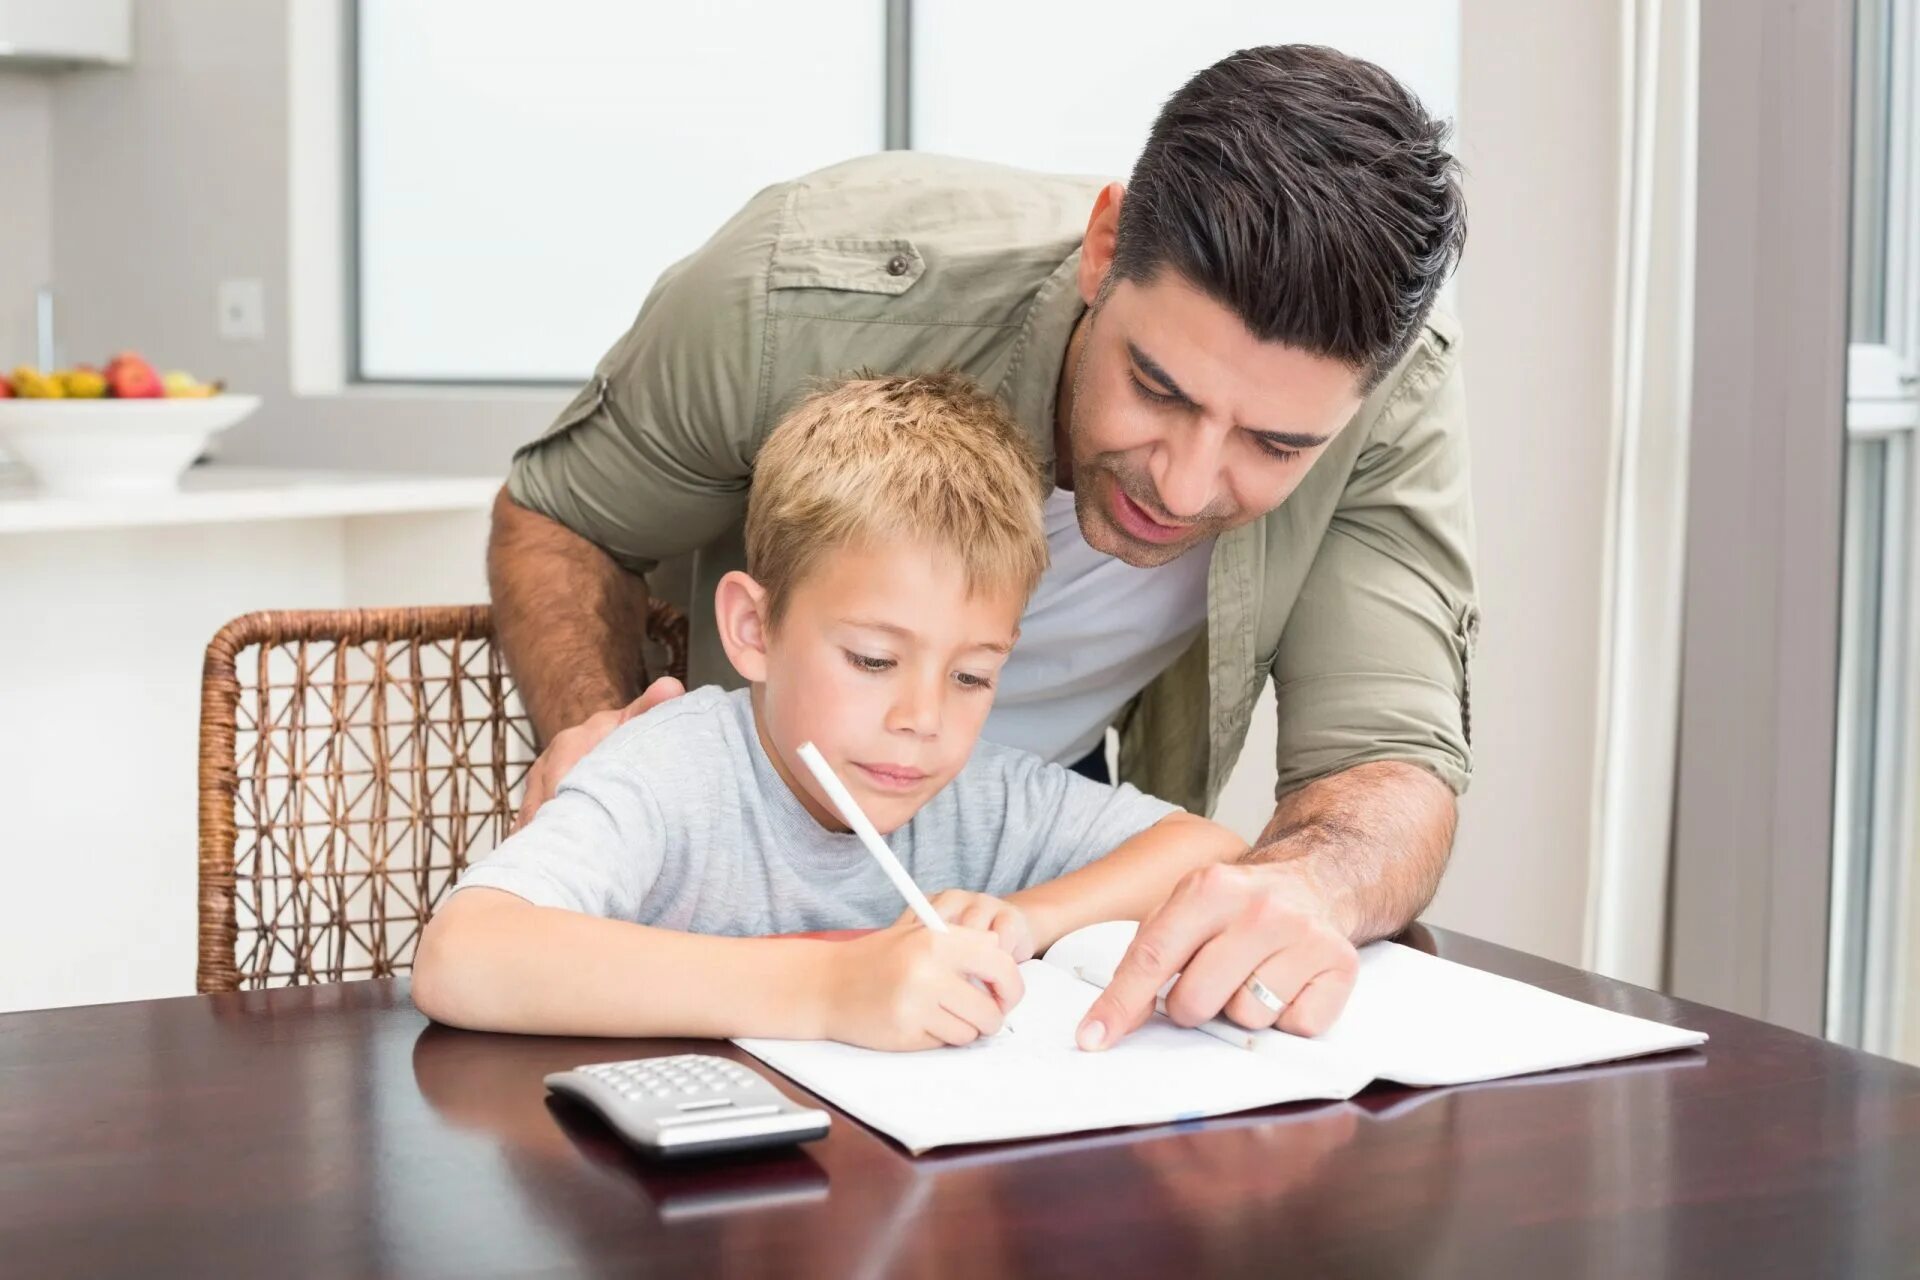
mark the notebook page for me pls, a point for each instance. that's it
(1035, 1081)
(1419, 1020)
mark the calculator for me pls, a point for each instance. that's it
(692, 1104)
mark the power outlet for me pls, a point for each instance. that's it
(241, 306)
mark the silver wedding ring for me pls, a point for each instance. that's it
(1259, 990)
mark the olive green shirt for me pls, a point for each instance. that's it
(1355, 596)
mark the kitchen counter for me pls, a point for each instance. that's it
(106, 607)
(222, 495)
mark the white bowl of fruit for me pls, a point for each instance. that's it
(121, 429)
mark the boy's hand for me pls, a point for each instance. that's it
(908, 987)
(970, 910)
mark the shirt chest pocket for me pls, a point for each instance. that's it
(886, 266)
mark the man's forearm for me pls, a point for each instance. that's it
(1372, 840)
(567, 618)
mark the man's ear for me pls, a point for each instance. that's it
(740, 613)
(1096, 249)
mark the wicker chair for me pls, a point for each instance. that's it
(351, 764)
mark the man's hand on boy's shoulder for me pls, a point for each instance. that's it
(570, 746)
(970, 910)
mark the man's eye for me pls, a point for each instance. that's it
(1148, 393)
(861, 662)
(1278, 452)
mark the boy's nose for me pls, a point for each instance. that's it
(916, 708)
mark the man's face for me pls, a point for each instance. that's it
(887, 664)
(1183, 424)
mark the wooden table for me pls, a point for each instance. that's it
(332, 1131)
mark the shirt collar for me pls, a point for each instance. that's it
(1031, 388)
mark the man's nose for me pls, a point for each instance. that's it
(1189, 472)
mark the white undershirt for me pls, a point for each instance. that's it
(1097, 631)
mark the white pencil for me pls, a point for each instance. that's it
(850, 812)
(853, 816)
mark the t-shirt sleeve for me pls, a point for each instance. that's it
(1058, 821)
(596, 847)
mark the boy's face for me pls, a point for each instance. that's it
(885, 663)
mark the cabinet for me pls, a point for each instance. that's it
(58, 33)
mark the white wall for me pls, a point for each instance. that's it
(1540, 145)
(26, 209)
(173, 174)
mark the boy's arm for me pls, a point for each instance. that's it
(1128, 883)
(491, 961)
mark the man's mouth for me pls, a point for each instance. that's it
(1134, 520)
(891, 777)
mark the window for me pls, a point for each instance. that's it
(1873, 979)
(522, 174)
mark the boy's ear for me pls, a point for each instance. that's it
(740, 613)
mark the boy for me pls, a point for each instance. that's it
(894, 534)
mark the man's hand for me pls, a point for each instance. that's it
(570, 746)
(1220, 926)
(969, 910)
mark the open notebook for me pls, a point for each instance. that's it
(1413, 1019)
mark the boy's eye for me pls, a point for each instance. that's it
(968, 680)
(861, 662)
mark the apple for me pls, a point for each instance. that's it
(131, 378)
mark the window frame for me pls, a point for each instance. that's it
(897, 130)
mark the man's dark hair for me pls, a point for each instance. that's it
(1308, 192)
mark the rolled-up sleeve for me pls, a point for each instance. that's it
(1374, 662)
(652, 458)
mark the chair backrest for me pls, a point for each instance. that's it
(352, 763)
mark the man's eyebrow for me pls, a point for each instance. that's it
(1278, 439)
(893, 629)
(1152, 369)
(1291, 439)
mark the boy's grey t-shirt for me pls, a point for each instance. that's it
(679, 820)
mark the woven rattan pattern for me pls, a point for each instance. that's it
(352, 763)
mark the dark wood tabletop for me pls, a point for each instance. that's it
(332, 1131)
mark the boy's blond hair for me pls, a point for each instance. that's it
(926, 459)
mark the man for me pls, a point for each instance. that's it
(1255, 424)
